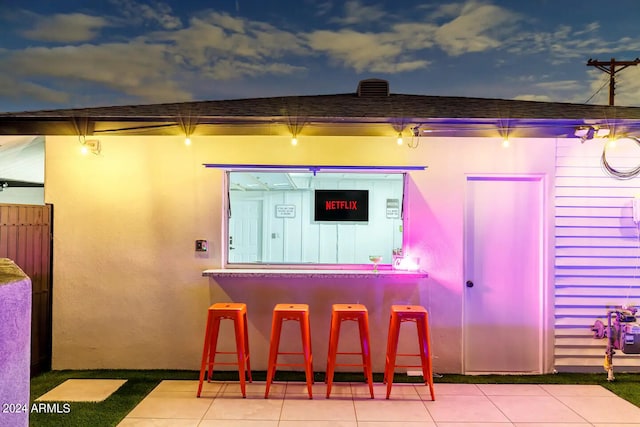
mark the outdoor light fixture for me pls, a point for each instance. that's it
(89, 146)
(505, 142)
(294, 140)
(399, 140)
(589, 132)
(187, 140)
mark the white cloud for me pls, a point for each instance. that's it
(65, 28)
(372, 52)
(561, 85)
(13, 88)
(156, 13)
(531, 97)
(117, 66)
(355, 13)
(217, 40)
(568, 44)
(478, 27)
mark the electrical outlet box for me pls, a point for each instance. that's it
(201, 246)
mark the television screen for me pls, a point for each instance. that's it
(341, 205)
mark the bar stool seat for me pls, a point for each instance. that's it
(237, 312)
(345, 312)
(418, 315)
(282, 313)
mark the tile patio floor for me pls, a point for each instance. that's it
(173, 403)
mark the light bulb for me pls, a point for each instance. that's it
(294, 141)
(399, 140)
(611, 143)
(505, 143)
(84, 150)
(187, 141)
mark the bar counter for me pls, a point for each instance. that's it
(313, 273)
(261, 289)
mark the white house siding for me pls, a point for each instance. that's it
(597, 262)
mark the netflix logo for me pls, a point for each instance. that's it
(341, 205)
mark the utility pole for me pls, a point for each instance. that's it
(609, 67)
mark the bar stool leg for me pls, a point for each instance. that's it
(394, 332)
(276, 328)
(213, 345)
(305, 330)
(363, 325)
(246, 345)
(206, 348)
(425, 354)
(240, 350)
(333, 350)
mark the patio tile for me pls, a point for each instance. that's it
(254, 388)
(82, 390)
(209, 390)
(512, 390)
(178, 404)
(399, 391)
(615, 425)
(158, 422)
(238, 423)
(392, 410)
(555, 424)
(443, 389)
(453, 408)
(577, 390)
(318, 389)
(253, 407)
(318, 409)
(602, 409)
(535, 409)
(396, 424)
(467, 424)
(311, 423)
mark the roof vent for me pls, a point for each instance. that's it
(373, 88)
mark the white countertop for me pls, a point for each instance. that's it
(314, 273)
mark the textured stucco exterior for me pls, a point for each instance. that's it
(129, 290)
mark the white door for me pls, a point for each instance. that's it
(504, 277)
(245, 231)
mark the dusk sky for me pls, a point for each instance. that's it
(76, 53)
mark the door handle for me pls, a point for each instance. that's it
(469, 284)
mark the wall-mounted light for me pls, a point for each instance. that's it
(294, 140)
(399, 140)
(505, 142)
(188, 124)
(589, 132)
(89, 146)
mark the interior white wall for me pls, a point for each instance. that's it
(128, 289)
(22, 195)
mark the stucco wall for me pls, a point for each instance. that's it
(128, 290)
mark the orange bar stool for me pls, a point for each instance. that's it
(282, 313)
(418, 315)
(217, 312)
(358, 313)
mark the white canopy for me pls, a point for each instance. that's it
(22, 158)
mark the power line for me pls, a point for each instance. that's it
(609, 67)
(597, 92)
